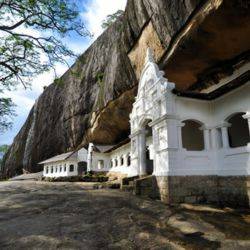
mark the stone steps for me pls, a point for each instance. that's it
(128, 188)
(128, 184)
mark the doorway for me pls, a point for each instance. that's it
(149, 148)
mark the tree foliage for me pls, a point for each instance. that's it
(30, 44)
(22, 54)
(6, 113)
(110, 19)
(3, 150)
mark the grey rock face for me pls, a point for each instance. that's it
(93, 99)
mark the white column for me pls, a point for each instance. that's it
(90, 156)
(67, 168)
(214, 138)
(224, 133)
(180, 126)
(119, 161)
(142, 152)
(247, 116)
(206, 138)
(125, 160)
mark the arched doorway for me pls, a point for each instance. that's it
(238, 132)
(149, 148)
(154, 101)
(192, 136)
(147, 156)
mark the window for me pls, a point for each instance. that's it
(47, 170)
(192, 136)
(129, 160)
(111, 163)
(238, 132)
(65, 168)
(52, 169)
(60, 168)
(71, 168)
(116, 162)
(100, 164)
(122, 161)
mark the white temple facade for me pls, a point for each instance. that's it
(189, 136)
(196, 150)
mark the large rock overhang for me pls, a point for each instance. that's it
(213, 43)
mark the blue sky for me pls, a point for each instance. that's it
(93, 12)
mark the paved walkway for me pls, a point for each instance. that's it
(35, 215)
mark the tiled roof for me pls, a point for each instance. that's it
(61, 157)
(109, 148)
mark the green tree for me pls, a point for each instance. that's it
(3, 150)
(24, 55)
(110, 19)
(6, 113)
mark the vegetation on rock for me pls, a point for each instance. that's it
(3, 150)
(110, 19)
(6, 113)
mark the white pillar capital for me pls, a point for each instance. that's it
(181, 124)
(224, 125)
(247, 115)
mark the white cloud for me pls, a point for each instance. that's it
(98, 10)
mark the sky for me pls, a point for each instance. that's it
(93, 12)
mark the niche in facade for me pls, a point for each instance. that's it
(129, 160)
(238, 132)
(100, 164)
(192, 136)
(71, 168)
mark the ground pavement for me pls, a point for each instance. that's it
(38, 215)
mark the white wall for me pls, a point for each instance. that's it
(97, 157)
(124, 152)
(108, 157)
(214, 112)
(83, 155)
(221, 160)
(63, 173)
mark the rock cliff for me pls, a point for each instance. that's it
(93, 99)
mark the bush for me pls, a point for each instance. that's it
(89, 177)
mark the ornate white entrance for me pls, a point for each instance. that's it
(154, 107)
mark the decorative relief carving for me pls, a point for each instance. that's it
(162, 135)
(133, 147)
